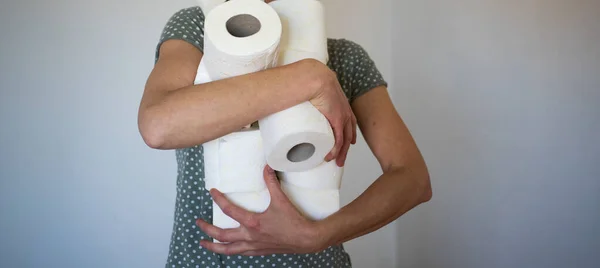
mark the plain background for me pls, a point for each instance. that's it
(501, 95)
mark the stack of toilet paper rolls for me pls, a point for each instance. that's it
(246, 36)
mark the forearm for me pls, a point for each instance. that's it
(198, 113)
(390, 196)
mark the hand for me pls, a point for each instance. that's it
(331, 101)
(280, 229)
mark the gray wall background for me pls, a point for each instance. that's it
(503, 97)
(78, 187)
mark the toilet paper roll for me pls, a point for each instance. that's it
(296, 139)
(240, 37)
(313, 204)
(303, 23)
(208, 5)
(327, 176)
(256, 202)
(235, 162)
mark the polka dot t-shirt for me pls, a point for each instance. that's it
(356, 73)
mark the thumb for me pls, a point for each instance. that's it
(272, 182)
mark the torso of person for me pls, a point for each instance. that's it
(356, 73)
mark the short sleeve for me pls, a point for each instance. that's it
(365, 74)
(186, 24)
(356, 70)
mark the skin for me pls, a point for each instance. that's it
(169, 119)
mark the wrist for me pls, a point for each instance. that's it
(312, 78)
(322, 235)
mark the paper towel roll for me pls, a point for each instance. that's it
(303, 23)
(327, 176)
(313, 204)
(240, 37)
(235, 162)
(256, 202)
(208, 5)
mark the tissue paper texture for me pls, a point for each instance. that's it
(235, 163)
(327, 176)
(240, 37)
(304, 32)
(208, 5)
(313, 204)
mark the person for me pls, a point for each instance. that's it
(175, 114)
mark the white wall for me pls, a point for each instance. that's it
(78, 188)
(504, 99)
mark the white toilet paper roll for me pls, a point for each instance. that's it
(296, 139)
(327, 176)
(313, 204)
(240, 37)
(235, 162)
(208, 5)
(303, 23)
(256, 202)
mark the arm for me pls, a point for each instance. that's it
(175, 113)
(404, 183)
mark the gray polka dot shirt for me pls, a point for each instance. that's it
(356, 73)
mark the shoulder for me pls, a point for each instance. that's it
(186, 20)
(343, 49)
(186, 24)
(356, 70)
(193, 14)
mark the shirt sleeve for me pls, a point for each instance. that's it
(186, 24)
(362, 75)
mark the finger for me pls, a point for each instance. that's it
(338, 131)
(354, 126)
(230, 209)
(223, 235)
(272, 183)
(347, 139)
(230, 248)
(264, 252)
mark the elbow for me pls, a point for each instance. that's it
(425, 186)
(427, 193)
(152, 130)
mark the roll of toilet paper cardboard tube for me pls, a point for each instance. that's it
(313, 204)
(240, 37)
(256, 202)
(235, 162)
(326, 176)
